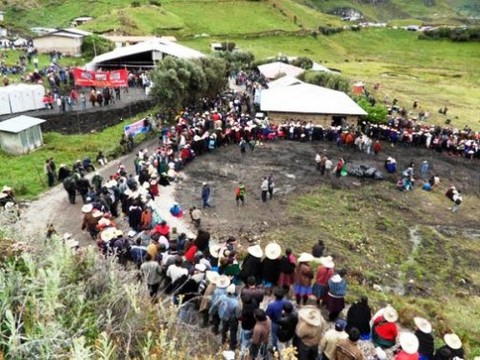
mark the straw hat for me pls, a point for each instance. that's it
(409, 342)
(255, 251)
(231, 289)
(87, 208)
(273, 251)
(423, 324)
(311, 315)
(108, 234)
(97, 213)
(327, 262)
(222, 281)
(212, 276)
(103, 221)
(305, 257)
(6, 188)
(336, 278)
(214, 250)
(118, 233)
(390, 314)
(453, 341)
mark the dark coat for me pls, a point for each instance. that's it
(426, 346)
(287, 324)
(271, 270)
(359, 316)
(252, 266)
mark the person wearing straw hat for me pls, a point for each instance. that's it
(90, 221)
(409, 347)
(423, 332)
(271, 265)
(359, 316)
(252, 264)
(453, 344)
(308, 332)
(221, 283)
(384, 327)
(227, 312)
(211, 278)
(324, 272)
(303, 278)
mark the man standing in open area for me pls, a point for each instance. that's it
(264, 189)
(240, 193)
(206, 195)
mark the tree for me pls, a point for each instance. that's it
(215, 70)
(236, 60)
(93, 45)
(376, 113)
(327, 79)
(178, 83)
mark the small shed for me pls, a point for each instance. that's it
(21, 134)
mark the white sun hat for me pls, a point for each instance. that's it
(255, 251)
(273, 251)
(423, 324)
(409, 342)
(305, 257)
(453, 341)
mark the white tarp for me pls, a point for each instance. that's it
(21, 98)
(4, 102)
(16, 99)
(307, 98)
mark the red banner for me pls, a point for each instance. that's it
(115, 78)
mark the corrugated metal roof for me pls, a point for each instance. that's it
(275, 69)
(309, 99)
(19, 123)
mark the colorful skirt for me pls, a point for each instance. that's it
(334, 304)
(302, 290)
(286, 279)
(319, 290)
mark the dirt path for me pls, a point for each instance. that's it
(54, 207)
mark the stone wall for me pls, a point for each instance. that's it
(92, 120)
(317, 119)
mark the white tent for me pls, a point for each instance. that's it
(308, 99)
(276, 69)
(153, 49)
(20, 98)
(4, 102)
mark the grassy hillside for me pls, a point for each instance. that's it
(436, 73)
(446, 11)
(180, 18)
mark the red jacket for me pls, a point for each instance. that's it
(386, 330)
(402, 355)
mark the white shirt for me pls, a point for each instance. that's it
(175, 272)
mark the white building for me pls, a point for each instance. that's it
(67, 41)
(21, 134)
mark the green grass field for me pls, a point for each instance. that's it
(368, 233)
(436, 73)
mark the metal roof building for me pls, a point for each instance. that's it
(21, 134)
(143, 54)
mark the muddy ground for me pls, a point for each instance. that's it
(293, 169)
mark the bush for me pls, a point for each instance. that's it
(326, 79)
(453, 34)
(155, 3)
(136, 4)
(376, 113)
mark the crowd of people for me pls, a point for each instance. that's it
(260, 304)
